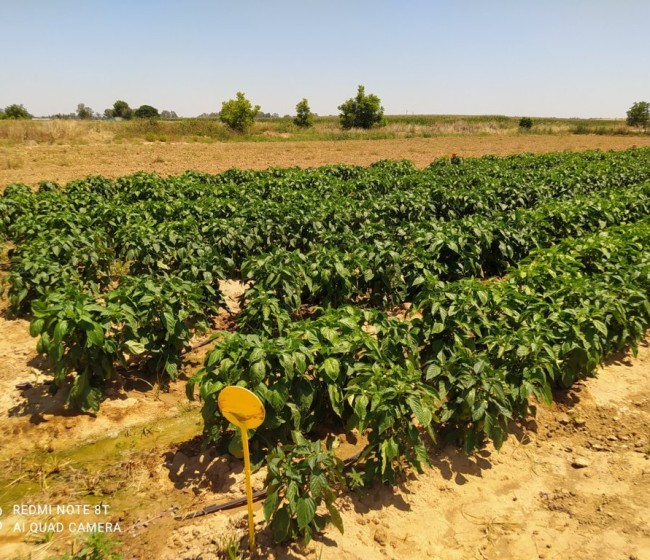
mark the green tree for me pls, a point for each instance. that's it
(84, 112)
(146, 112)
(639, 114)
(121, 110)
(362, 111)
(238, 114)
(526, 123)
(304, 116)
(16, 112)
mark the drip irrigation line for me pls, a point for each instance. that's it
(237, 502)
(241, 501)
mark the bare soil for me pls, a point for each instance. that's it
(33, 163)
(572, 483)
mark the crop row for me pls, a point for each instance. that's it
(387, 274)
(466, 363)
(140, 258)
(522, 272)
(202, 228)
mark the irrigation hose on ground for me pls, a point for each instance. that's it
(237, 502)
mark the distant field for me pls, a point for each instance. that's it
(283, 129)
(31, 162)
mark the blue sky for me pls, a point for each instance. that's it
(583, 58)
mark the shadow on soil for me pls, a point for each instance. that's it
(624, 357)
(44, 397)
(197, 469)
(453, 463)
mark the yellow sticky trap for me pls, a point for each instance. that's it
(245, 410)
(241, 407)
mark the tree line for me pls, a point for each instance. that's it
(238, 114)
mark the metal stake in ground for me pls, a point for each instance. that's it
(245, 410)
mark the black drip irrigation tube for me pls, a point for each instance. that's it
(237, 502)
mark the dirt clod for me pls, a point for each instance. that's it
(580, 463)
(381, 536)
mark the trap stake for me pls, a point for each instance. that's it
(245, 410)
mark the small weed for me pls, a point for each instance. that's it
(228, 548)
(41, 538)
(95, 546)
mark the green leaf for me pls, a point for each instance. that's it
(36, 326)
(257, 354)
(478, 410)
(212, 358)
(423, 415)
(170, 322)
(300, 361)
(258, 371)
(55, 352)
(360, 406)
(332, 368)
(83, 395)
(60, 331)
(433, 370)
(292, 493)
(316, 484)
(329, 333)
(277, 398)
(419, 280)
(335, 517)
(470, 443)
(497, 435)
(335, 398)
(134, 347)
(270, 503)
(341, 270)
(96, 335)
(600, 326)
(305, 511)
(172, 369)
(392, 449)
(281, 524)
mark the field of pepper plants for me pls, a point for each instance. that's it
(405, 305)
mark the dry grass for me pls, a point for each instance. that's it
(73, 132)
(53, 132)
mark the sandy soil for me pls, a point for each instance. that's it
(31, 164)
(573, 483)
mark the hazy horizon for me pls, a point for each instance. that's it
(584, 59)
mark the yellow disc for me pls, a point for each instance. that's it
(241, 407)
